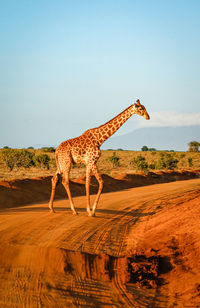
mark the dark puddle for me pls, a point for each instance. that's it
(135, 279)
(137, 269)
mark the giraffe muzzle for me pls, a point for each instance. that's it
(146, 116)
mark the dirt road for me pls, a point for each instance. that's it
(134, 253)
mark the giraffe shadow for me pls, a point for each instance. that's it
(100, 213)
(132, 213)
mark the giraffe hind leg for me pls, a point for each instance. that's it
(54, 183)
(65, 182)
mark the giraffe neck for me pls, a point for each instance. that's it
(108, 129)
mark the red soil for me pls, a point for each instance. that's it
(141, 250)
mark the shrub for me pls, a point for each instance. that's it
(49, 149)
(140, 163)
(190, 162)
(152, 166)
(160, 164)
(166, 161)
(182, 155)
(42, 160)
(19, 158)
(10, 158)
(25, 159)
(114, 160)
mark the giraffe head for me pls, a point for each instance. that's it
(140, 110)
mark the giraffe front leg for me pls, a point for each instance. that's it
(87, 188)
(100, 181)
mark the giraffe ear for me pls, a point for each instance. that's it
(138, 102)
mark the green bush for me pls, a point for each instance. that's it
(18, 158)
(42, 160)
(10, 158)
(25, 159)
(190, 162)
(182, 155)
(166, 161)
(160, 164)
(152, 166)
(114, 160)
(140, 163)
(49, 149)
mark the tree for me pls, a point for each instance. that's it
(152, 149)
(48, 149)
(144, 148)
(193, 146)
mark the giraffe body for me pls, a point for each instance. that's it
(86, 149)
(89, 150)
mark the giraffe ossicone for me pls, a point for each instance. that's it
(86, 149)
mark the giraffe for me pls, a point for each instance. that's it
(86, 149)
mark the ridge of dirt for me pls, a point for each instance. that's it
(173, 235)
(19, 192)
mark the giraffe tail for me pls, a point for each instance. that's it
(57, 163)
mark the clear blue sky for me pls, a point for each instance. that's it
(66, 66)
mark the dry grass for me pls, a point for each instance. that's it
(125, 158)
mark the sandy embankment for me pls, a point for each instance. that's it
(27, 191)
(141, 250)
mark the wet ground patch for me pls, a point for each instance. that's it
(140, 270)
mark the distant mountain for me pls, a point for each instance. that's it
(161, 138)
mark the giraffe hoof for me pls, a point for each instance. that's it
(91, 214)
(75, 213)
